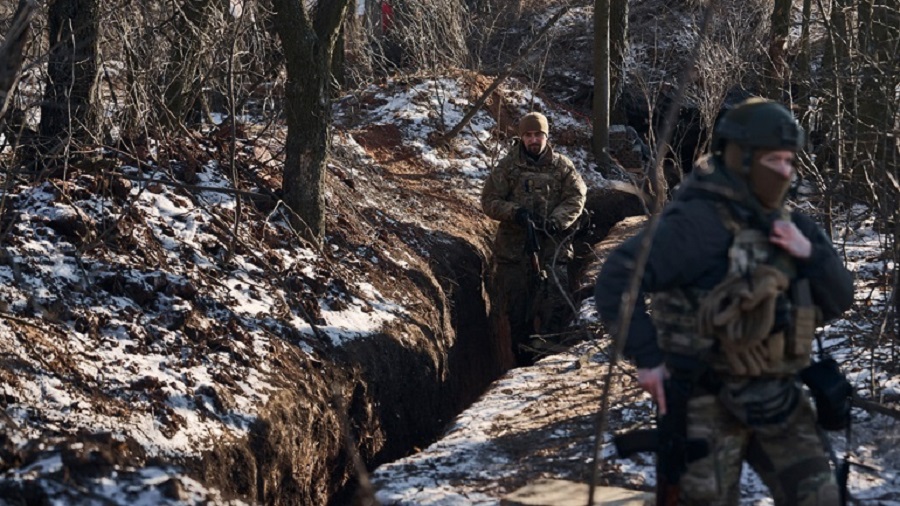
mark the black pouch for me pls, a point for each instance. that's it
(831, 392)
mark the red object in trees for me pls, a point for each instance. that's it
(387, 16)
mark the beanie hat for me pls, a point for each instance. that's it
(533, 121)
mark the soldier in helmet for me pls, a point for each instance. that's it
(737, 285)
(537, 195)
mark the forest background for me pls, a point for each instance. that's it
(100, 101)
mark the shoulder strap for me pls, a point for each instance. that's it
(728, 219)
(778, 258)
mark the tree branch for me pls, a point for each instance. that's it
(329, 15)
(502, 77)
(11, 52)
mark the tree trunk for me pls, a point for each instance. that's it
(876, 108)
(780, 24)
(836, 76)
(308, 40)
(338, 72)
(618, 46)
(804, 59)
(69, 108)
(192, 22)
(600, 114)
(837, 52)
(12, 51)
(877, 114)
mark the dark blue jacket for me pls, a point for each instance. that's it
(690, 249)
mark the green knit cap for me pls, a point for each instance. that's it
(533, 121)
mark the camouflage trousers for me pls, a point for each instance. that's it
(789, 457)
(526, 304)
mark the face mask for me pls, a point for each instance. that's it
(769, 185)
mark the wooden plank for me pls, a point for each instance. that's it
(549, 492)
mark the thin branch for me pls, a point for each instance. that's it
(503, 76)
(626, 306)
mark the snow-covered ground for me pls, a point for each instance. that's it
(471, 465)
(120, 342)
(557, 399)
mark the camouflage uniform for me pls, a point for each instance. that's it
(551, 189)
(754, 409)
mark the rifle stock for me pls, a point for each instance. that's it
(636, 441)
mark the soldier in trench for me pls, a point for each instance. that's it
(537, 196)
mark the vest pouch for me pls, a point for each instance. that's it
(802, 331)
(674, 314)
(831, 392)
(760, 402)
(804, 317)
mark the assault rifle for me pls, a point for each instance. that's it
(532, 245)
(669, 440)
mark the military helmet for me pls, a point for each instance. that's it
(757, 123)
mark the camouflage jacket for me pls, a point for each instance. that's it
(550, 188)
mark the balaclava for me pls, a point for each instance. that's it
(748, 131)
(769, 187)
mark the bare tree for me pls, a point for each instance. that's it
(411, 35)
(802, 65)
(725, 61)
(601, 85)
(193, 21)
(479, 103)
(69, 110)
(308, 36)
(618, 47)
(12, 52)
(875, 150)
(778, 41)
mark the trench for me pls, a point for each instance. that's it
(475, 360)
(421, 390)
(400, 388)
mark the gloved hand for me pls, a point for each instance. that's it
(551, 227)
(522, 216)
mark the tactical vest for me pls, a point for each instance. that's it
(538, 189)
(739, 326)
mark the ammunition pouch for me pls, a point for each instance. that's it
(804, 317)
(759, 321)
(759, 402)
(740, 314)
(831, 392)
(674, 314)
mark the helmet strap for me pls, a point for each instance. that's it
(747, 161)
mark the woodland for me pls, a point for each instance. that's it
(240, 264)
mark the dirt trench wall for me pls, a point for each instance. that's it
(397, 390)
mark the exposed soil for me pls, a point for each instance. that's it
(394, 225)
(398, 227)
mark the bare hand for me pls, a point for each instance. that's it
(653, 382)
(788, 237)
